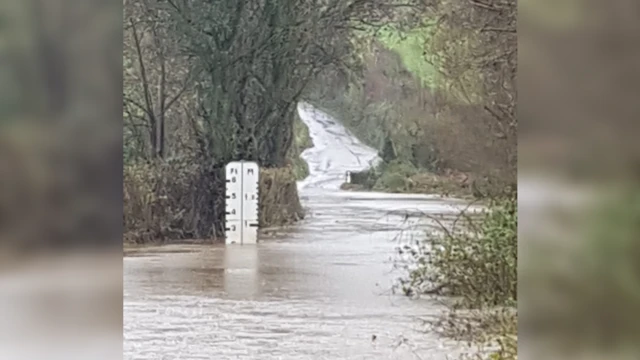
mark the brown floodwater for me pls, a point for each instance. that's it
(318, 290)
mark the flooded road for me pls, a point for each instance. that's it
(318, 290)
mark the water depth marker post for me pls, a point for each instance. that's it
(241, 205)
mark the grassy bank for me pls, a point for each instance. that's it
(474, 262)
(435, 136)
(410, 45)
(401, 177)
(301, 142)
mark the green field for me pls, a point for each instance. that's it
(411, 46)
(414, 49)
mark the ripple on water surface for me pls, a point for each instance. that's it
(319, 290)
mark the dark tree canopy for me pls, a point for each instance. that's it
(226, 76)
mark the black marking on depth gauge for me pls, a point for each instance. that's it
(241, 203)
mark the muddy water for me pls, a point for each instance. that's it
(319, 290)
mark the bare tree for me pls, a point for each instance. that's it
(255, 58)
(156, 74)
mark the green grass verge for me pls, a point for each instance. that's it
(411, 46)
(403, 177)
(301, 142)
(423, 60)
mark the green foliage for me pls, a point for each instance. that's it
(476, 260)
(365, 179)
(455, 110)
(398, 167)
(301, 142)
(507, 348)
(454, 116)
(392, 176)
(302, 139)
(429, 51)
(388, 152)
(411, 46)
(300, 168)
(391, 182)
(387, 124)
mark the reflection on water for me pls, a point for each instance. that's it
(241, 274)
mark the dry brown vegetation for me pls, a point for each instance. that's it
(279, 202)
(455, 135)
(171, 200)
(462, 127)
(177, 200)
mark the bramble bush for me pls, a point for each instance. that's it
(183, 198)
(474, 260)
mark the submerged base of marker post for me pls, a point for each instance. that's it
(241, 206)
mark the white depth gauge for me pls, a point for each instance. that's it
(241, 226)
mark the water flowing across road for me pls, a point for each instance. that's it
(317, 290)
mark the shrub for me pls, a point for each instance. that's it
(279, 202)
(392, 182)
(184, 199)
(386, 176)
(366, 178)
(176, 199)
(301, 142)
(476, 261)
(405, 169)
(507, 348)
